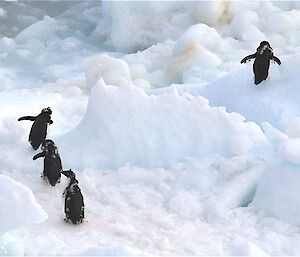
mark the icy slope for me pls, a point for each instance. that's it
(275, 100)
(18, 205)
(125, 125)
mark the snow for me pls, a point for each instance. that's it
(111, 70)
(18, 205)
(282, 202)
(163, 129)
(42, 30)
(176, 151)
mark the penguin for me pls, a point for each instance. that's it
(263, 56)
(39, 127)
(52, 162)
(74, 205)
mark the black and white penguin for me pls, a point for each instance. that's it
(263, 56)
(74, 205)
(52, 162)
(39, 127)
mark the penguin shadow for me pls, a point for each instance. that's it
(52, 170)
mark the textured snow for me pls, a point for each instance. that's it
(176, 151)
(18, 205)
(162, 129)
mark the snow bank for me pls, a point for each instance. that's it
(208, 12)
(290, 150)
(278, 192)
(198, 34)
(30, 52)
(244, 26)
(276, 100)
(9, 131)
(41, 30)
(242, 247)
(111, 70)
(195, 50)
(135, 26)
(18, 205)
(125, 125)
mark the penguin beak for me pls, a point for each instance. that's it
(49, 110)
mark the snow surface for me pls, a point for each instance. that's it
(176, 151)
(25, 208)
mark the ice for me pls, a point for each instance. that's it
(136, 26)
(242, 247)
(202, 34)
(18, 205)
(162, 129)
(175, 149)
(280, 22)
(42, 30)
(289, 150)
(207, 12)
(191, 56)
(7, 44)
(112, 70)
(237, 93)
(3, 13)
(115, 251)
(273, 198)
(244, 26)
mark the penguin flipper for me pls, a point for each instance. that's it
(42, 154)
(248, 58)
(32, 118)
(276, 59)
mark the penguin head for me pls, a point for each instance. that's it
(49, 146)
(47, 110)
(264, 45)
(51, 149)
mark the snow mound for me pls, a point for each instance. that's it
(125, 125)
(290, 150)
(41, 30)
(244, 26)
(9, 131)
(275, 100)
(208, 12)
(18, 205)
(111, 70)
(278, 192)
(198, 34)
(133, 26)
(242, 247)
